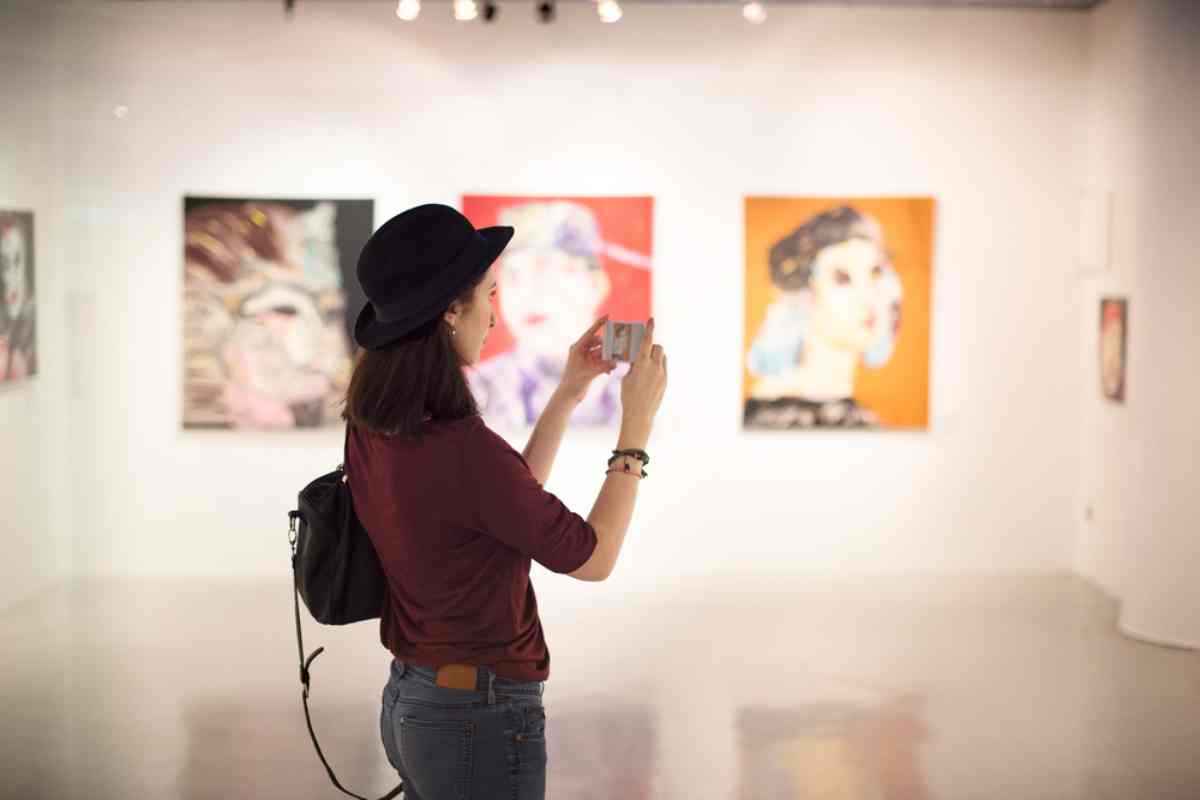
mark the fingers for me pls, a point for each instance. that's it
(647, 342)
(595, 357)
(592, 330)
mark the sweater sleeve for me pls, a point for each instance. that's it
(511, 506)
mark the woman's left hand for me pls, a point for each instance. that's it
(585, 363)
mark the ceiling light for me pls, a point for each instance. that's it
(755, 12)
(545, 11)
(408, 10)
(465, 10)
(609, 10)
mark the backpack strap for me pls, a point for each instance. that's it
(305, 664)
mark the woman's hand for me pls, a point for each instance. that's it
(585, 363)
(642, 392)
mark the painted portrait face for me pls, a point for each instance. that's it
(852, 295)
(283, 327)
(13, 260)
(547, 296)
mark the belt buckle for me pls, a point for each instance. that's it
(458, 676)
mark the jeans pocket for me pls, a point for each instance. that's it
(529, 779)
(534, 728)
(437, 757)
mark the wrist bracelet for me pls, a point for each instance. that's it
(625, 472)
(640, 455)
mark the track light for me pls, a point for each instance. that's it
(465, 10)
(755, 12)
(609, 11)
(408, 10)
(545, 11)
(490, 10)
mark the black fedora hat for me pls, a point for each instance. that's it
(415, 265)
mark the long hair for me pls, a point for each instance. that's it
(393, 389)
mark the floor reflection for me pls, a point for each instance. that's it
(865, 748)
(899, 688)
(600, 754)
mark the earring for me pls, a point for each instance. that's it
(454, 331)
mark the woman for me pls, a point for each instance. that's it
(839, 303)
(457, 515)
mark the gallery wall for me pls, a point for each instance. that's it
(1144, 543)
(1109, 268)
(984, 110)
(32, 409)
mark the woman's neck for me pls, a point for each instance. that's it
(824, 373)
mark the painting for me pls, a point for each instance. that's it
(571, 261)
(18, 314)
(838, 307)
(1114, 324)
(269, 297)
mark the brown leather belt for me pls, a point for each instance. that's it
(458, 676)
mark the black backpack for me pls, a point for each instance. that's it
(335, 570)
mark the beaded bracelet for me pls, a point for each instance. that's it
(625, 471)
(640, 455)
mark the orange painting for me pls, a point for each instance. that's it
(838, 295)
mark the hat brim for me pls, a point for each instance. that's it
(373, 334)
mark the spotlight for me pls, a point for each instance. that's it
(545, 11)
(609, 11)
(465, 10)
(755, 12)
(408, 10)
(490, 10)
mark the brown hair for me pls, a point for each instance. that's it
(793, 256)
(395, 387)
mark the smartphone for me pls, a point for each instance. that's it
(622, 340)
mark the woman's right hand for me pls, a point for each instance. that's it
(642, 391)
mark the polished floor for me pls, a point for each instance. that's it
(893, 688)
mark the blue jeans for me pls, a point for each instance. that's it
(458, 744)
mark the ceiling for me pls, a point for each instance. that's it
(1048, 4)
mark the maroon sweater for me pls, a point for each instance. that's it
(457, 519)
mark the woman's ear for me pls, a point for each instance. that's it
(451, 315)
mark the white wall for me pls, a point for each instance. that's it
(33, 498)
(1162, 591)
(1138, 459)
(982, 109)
(1109, 439)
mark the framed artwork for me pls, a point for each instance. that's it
(571, 260)
(1114, 326)
(838, 294)
(18, 313)
(269, 298)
